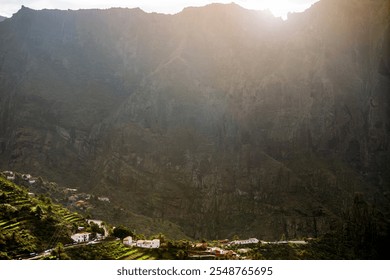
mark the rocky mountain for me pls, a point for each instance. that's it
(2, 18)
(218, 119)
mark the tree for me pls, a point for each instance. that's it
(50, 210)
(96, 229)
(181, 255)
(140, 236)
(3, 198)
(161, 237)
(38, 212)
(122, 232)
(59, 252)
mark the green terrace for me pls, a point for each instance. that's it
(110, 250)
(28, 224)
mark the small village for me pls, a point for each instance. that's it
(93, 231)
(11, 176)
(72, 196)
(224, 249)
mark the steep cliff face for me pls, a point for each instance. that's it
(219, 119)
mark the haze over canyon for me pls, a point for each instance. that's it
(217, 120)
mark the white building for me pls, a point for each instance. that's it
(155, 243)
(128, 241)
(9, 175)
(11, 178)
(104, 199)
(243, 250)
(81, 237)
(26, 176)
(299, 242)
(221, 252)
(216, 251)
(246, 241)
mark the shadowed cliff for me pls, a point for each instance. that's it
(218, 119)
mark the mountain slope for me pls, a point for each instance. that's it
(219, 119)
(30, 224)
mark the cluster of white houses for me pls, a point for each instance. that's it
(255, 241)
(28, 178)
(11, 176)
(216, 251)
(87, 236)
(226, 251)
(221, 252)
(81, 237)
(155, 243)
(244, 242)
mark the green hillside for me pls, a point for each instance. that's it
(30, 224)
(111, 250)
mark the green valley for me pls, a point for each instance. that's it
(33, 227)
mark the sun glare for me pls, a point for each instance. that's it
(279, 8)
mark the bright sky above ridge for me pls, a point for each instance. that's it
(279, 8)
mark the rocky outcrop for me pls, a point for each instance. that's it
(219, 119)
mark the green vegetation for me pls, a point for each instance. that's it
(122, 232)
(115, 250)
(58, 253)
(31, 225)
(110, 250)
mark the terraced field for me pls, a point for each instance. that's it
(31, 224)
(111, 250)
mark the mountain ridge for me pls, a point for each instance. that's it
(221, 122)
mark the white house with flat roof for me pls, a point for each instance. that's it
(246, 241)
(26, 177)
(81, 237)
(9, 175)
(128, 241)
(104, 199)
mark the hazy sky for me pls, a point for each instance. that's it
(277, 7)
